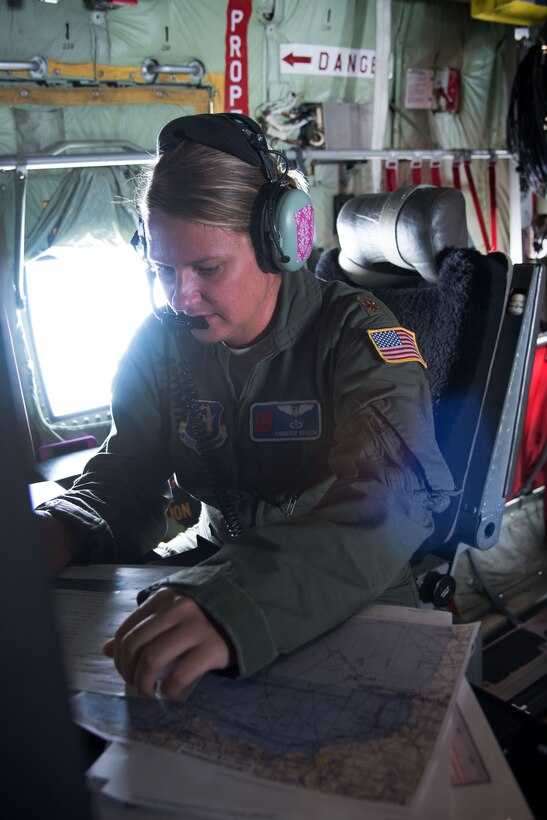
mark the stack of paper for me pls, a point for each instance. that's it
(360, 723)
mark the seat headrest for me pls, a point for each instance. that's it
(385, 237)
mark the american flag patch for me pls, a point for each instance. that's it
(395, 344)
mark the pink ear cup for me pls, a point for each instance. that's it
(304, 232)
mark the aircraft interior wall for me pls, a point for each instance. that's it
(89, 55)
(91, 90)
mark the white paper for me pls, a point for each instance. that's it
(170, 782)
(355, 716)
(91, 603)
(488, 798)
(382, 649)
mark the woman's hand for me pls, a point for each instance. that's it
(168, 628)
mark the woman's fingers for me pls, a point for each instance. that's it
(108, 648)
(111, 647)
(148, 623)
(187, 653)
(191, 666)
(166, 628)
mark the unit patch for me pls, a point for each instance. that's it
(395, 344)
(215, 432)
(285, 421)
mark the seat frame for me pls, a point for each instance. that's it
(479, 406)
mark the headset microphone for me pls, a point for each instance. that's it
(173, 318)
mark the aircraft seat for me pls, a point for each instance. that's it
(476, 319)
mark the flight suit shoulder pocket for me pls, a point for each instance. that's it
(371, 431)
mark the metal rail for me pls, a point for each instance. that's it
(40, 162)
(356, 154)
(37, 66)
(136, 157)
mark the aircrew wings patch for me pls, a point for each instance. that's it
(395, 344)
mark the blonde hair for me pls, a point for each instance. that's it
(201, 184)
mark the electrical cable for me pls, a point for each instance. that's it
(184, 391)
(527, 118)
(493, 203)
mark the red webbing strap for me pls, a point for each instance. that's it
(476, 203)
(435, 166)
(416, 171)
(493, 203)
(456, 173)
(391, 175)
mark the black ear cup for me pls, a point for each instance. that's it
(282, 228)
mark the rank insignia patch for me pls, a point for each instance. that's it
(369, 306)
(285, 421)
(395, 344)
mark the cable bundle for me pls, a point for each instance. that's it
(184, 393)
(527, 119)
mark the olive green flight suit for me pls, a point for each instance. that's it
(327, 455)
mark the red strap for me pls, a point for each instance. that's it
(391, 175)
(476, 203)
(456, 173)
(416, 171)
(435, 166)
(493, 203)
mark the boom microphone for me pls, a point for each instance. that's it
(173, 318)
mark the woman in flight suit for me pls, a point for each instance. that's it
(296, 411)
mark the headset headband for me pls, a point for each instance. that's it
(233, 134)
(281, 219)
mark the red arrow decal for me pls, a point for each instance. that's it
(292, 59)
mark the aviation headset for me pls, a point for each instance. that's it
(281, 226)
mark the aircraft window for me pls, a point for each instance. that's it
(84, 304)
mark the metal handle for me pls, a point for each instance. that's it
(37, 66)
(151, 68)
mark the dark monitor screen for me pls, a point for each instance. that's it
(42, 761)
